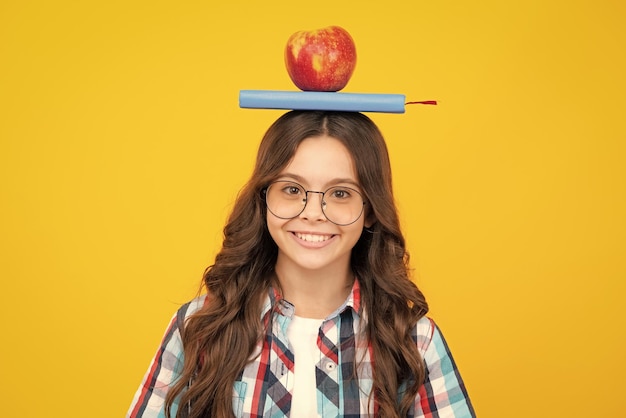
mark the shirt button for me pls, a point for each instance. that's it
(330, 366)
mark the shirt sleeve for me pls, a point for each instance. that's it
(164, 370)
(443, 394)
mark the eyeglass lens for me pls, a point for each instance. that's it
(341, 205)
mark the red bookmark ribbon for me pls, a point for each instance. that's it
(426, 102)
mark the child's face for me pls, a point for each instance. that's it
(310, 241)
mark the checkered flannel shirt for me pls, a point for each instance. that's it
(264, 387)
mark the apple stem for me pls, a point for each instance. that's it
(426, 102)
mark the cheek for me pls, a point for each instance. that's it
(355, 232)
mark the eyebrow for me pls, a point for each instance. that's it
(338, 180)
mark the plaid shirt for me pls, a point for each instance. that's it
(265, 386)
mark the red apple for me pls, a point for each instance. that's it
(320, 60)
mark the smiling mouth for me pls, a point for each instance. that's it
(312, 237)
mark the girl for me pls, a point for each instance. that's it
(309, 310)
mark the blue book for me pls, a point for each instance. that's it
(317, 100)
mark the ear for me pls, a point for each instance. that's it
(370, 220)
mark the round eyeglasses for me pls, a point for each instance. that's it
(341, 205)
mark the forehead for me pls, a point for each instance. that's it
(320, 161)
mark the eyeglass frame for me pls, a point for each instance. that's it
(306, 200)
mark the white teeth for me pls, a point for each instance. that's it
(313, 238)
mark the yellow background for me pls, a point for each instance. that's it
(122, 148)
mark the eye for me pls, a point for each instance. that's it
(291, 189)
(340, 194)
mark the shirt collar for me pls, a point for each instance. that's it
(283, 307)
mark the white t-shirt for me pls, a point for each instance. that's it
(302, 334)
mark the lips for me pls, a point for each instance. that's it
(312, 237)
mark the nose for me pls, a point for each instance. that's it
(313, 208)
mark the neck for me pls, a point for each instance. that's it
(317, 293)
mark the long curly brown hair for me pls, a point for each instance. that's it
(220, 338)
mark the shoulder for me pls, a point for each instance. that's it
(429, 338)
(192, 306)
(423, 333)
(433, 346)
(172, 343)
(188, 309)
(166, 367)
